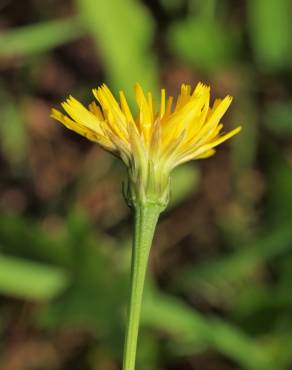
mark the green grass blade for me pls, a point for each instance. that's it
(39, 38)
(123, 32)
(30, 280)
(270, 32)
(196, 331)
(240, 264)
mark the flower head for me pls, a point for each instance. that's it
(157, 140)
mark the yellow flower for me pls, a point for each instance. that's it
(157, 140)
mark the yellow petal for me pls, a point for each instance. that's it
(80, 114)
(207, 154)
(216, 142)
(95, 109)
(125, 107)
(168, 107)
(145, 117)
(82, 130)
(111, 109)
(162, 103)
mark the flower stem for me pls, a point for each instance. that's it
(146, 217)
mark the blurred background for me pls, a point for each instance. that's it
(218, 292)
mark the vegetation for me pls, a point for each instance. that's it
(218, 294)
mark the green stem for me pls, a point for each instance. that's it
(146, 217)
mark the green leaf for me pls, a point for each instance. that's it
(14, 140)
(39, 38)
(190, 329)
(278, 118)
(270, 32)
(30, 280)
(202, 43)
(123, 32)
(25, 238)
(245, 113)
(239, 265)
(279, 182)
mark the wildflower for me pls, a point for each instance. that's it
(157, 140)
(151, 145)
